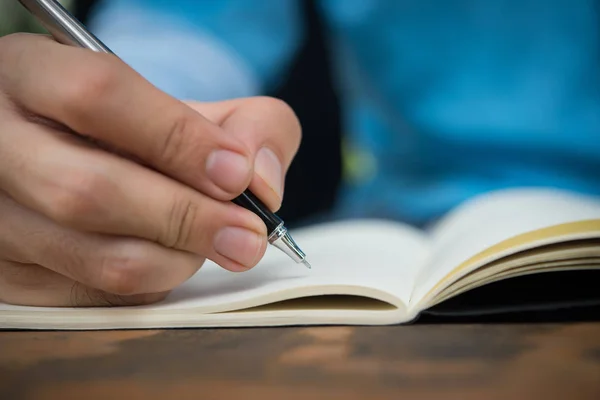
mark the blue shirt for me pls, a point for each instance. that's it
(442, 100)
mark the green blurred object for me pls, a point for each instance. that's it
(14, 18)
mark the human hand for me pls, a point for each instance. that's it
(114, 193)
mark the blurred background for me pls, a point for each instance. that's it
(307, 88)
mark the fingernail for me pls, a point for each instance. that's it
(228, 170)
(238, 244)
(268, 167)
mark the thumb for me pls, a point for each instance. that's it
(270, 130)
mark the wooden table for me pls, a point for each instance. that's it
(460, 361)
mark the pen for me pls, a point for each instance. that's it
(66, 29)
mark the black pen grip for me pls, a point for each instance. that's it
(250, 202)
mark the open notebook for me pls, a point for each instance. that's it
(368, 272)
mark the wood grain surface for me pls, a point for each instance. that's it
(461, 361)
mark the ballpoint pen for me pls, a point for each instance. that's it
(66, 29)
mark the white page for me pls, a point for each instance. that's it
(368, 257)
(492, 218)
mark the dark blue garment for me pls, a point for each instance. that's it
(443, 100)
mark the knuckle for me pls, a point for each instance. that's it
(83, 296)
(285, 114)
(77, 197)
(178, 137)
(276, 105)
(123, 275)
(97, 80)
(181, 221)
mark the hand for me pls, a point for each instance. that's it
(132, 210)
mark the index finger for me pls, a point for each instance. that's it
(98, 96)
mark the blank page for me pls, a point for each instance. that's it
(368, 258)
(495, 217)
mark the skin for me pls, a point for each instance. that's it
(114, 193)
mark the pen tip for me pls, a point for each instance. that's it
(306, 264)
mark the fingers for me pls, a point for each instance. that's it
(97, 95)
(84, 188)
(271, 131)
(112, 265)
(33, 285)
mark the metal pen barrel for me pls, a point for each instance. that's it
(62, 26)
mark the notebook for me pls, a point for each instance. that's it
(368, 272)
